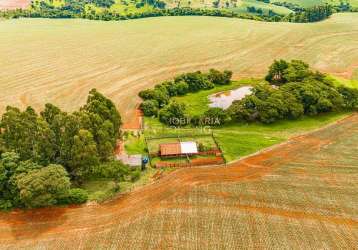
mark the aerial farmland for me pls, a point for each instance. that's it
(164, 124)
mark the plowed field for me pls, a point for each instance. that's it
(59, 61)
(298, 195)
(14, 4)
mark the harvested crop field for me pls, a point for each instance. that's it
(59, 61)
(298, 195)
(14, 4)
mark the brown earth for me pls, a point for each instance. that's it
(59, 61)
(299, 213)
(14, 4)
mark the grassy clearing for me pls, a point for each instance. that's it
(135, 144)
(198, 103)
(103, 189)
(242, 7)
(238, 140)
(100, 189)
(122, 58)
(145, 178)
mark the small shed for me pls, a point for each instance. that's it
(178, 148)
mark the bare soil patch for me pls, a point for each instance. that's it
(14, 4)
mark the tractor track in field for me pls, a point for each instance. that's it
(19, 227)
(122, 58)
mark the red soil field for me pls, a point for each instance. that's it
(135, 121)
(136, 215)
(14, 4)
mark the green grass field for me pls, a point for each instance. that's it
(135, 144)
(102, 189)
(238, 140)
(242, 7)
(310, 3)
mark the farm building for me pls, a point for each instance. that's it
(178, 149)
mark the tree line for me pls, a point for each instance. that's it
(46, 11)
(45, 157)
(77, 9)
(309, 15)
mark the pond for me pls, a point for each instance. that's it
(224, 99)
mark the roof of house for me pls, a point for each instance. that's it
(188, 147)
(170, 148)
(178, 148)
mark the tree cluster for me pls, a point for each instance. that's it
(295, 91)
(309, 15)
(56, 144)
(156, 100)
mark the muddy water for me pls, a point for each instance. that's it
(224, 99)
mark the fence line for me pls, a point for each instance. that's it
(177, 136)
(193, 163)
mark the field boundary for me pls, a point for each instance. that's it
(294, 137)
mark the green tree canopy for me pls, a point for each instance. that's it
(44, 186)
(84, 155)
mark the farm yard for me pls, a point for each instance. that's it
(236, 140)
(60, 60)
(301, 194)
(207, 151)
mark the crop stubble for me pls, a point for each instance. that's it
(300, 194)
(59, 61)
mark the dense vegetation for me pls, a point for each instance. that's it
(157, 101)
(309, 15)
(45, 157)
(294, 90)
(69, 12)
(109, 10)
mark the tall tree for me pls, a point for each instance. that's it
(104, 107)
(276, 72)
(27, 134)
(84, 155)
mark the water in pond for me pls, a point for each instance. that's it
(224, 99)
